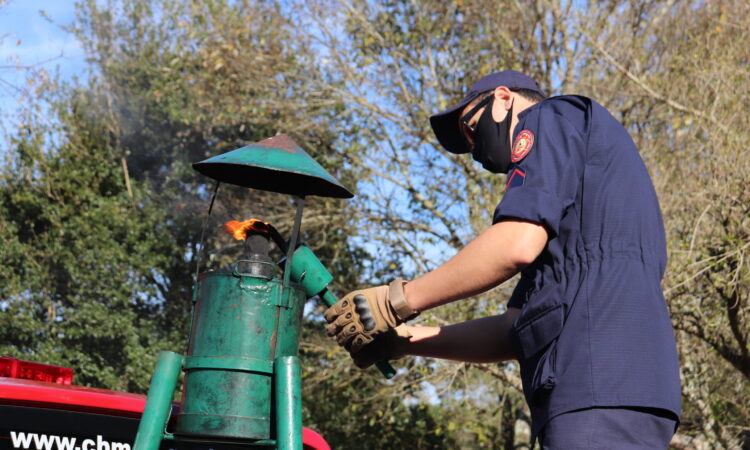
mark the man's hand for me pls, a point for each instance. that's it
(386, 347)
(358, 318)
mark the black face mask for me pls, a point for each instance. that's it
(492, 141)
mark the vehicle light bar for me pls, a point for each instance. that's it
(26, 370)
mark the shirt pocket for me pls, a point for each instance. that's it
(541, 322)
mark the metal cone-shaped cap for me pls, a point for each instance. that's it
(277, 164)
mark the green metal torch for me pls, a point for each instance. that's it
(242, 374)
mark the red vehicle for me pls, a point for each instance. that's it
(41, 409)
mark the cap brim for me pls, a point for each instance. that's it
(445, 126)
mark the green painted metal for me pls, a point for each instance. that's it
(159, 402)
(228, 363)
(277, 164)
(329, 298)
(315, 278)
(288, 394)
(308, 271)
(241, 366)
(239, 329)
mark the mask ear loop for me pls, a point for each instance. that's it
(509, 132)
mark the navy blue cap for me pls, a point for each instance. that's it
(445, 124)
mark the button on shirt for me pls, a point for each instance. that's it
(594, 328)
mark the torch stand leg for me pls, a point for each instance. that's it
(159, 402)
(288, 403)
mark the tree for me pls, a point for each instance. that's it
(171, 83)
(677, 79)
(398, 63)
(101, 212)
(355, 82)
(673, 72)
(78, 252)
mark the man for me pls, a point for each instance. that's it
(581, 222)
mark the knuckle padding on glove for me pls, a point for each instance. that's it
(365, 314)
(341, 321)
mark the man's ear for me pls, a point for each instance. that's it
(503, 96)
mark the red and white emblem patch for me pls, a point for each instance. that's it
(522, 145)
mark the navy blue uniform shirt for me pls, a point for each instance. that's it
(594, 328)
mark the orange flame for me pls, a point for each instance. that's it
(239, 229)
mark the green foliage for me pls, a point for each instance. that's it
(678, 81)
(352, 408)
(101, 210)
(79, 253)
(189, 80)
(673, 72)
(96, 275)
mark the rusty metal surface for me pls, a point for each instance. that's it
(239, 329)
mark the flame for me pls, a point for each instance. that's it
(239, 229)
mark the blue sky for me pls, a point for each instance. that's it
(28, 38)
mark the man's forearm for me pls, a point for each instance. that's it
(478, 341)
(493, 257)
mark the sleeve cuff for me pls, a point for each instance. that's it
(532, 205)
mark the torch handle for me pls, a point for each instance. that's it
(384, 366)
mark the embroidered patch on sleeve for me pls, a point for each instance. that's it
(515, 178)
(522, 145)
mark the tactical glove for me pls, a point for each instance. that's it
(386, 347)
(362, 315)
